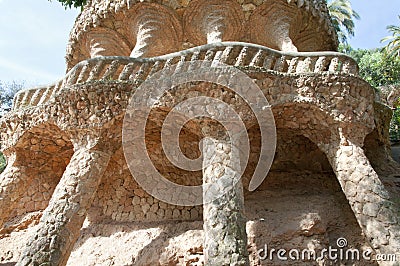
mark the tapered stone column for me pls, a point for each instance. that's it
(225, 240)
(62, 220)
(374, 209)
(13, 184)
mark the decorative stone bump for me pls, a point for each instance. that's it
(106, 42)
(271, 23)
(155, 29)
(213, 21)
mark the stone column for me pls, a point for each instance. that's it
(106, 42)
(13, 184)
(225, 236)
(148, 30)
(374, 209)
(62, 220)
(282, 36)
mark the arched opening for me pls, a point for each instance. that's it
(43, 154)
(300, 205)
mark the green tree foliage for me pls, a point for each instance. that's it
(393, 47)
(376, 66)
(394, 130)
(72, 3)
(342, 16)
(379, 69)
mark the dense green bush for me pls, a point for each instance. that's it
(394, 130)
(376, 66)
(379, 69)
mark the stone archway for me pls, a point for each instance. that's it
(373, 208)
(300, 201)
(36, 164)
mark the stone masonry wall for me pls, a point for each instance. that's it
(319, 106)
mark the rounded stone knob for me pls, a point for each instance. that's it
(106, 42)
(154, 29)
(209, 21)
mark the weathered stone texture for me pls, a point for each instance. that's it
(225, 239)
(375, 209)
(318, 99)
(34, 167)
(60, 225)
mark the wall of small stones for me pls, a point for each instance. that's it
(297, 153)
(120, 198)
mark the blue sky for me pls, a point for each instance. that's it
(34, 34)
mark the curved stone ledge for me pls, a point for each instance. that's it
(230, 53)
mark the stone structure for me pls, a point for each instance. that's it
(63, 142)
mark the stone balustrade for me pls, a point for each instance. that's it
(241, 55)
